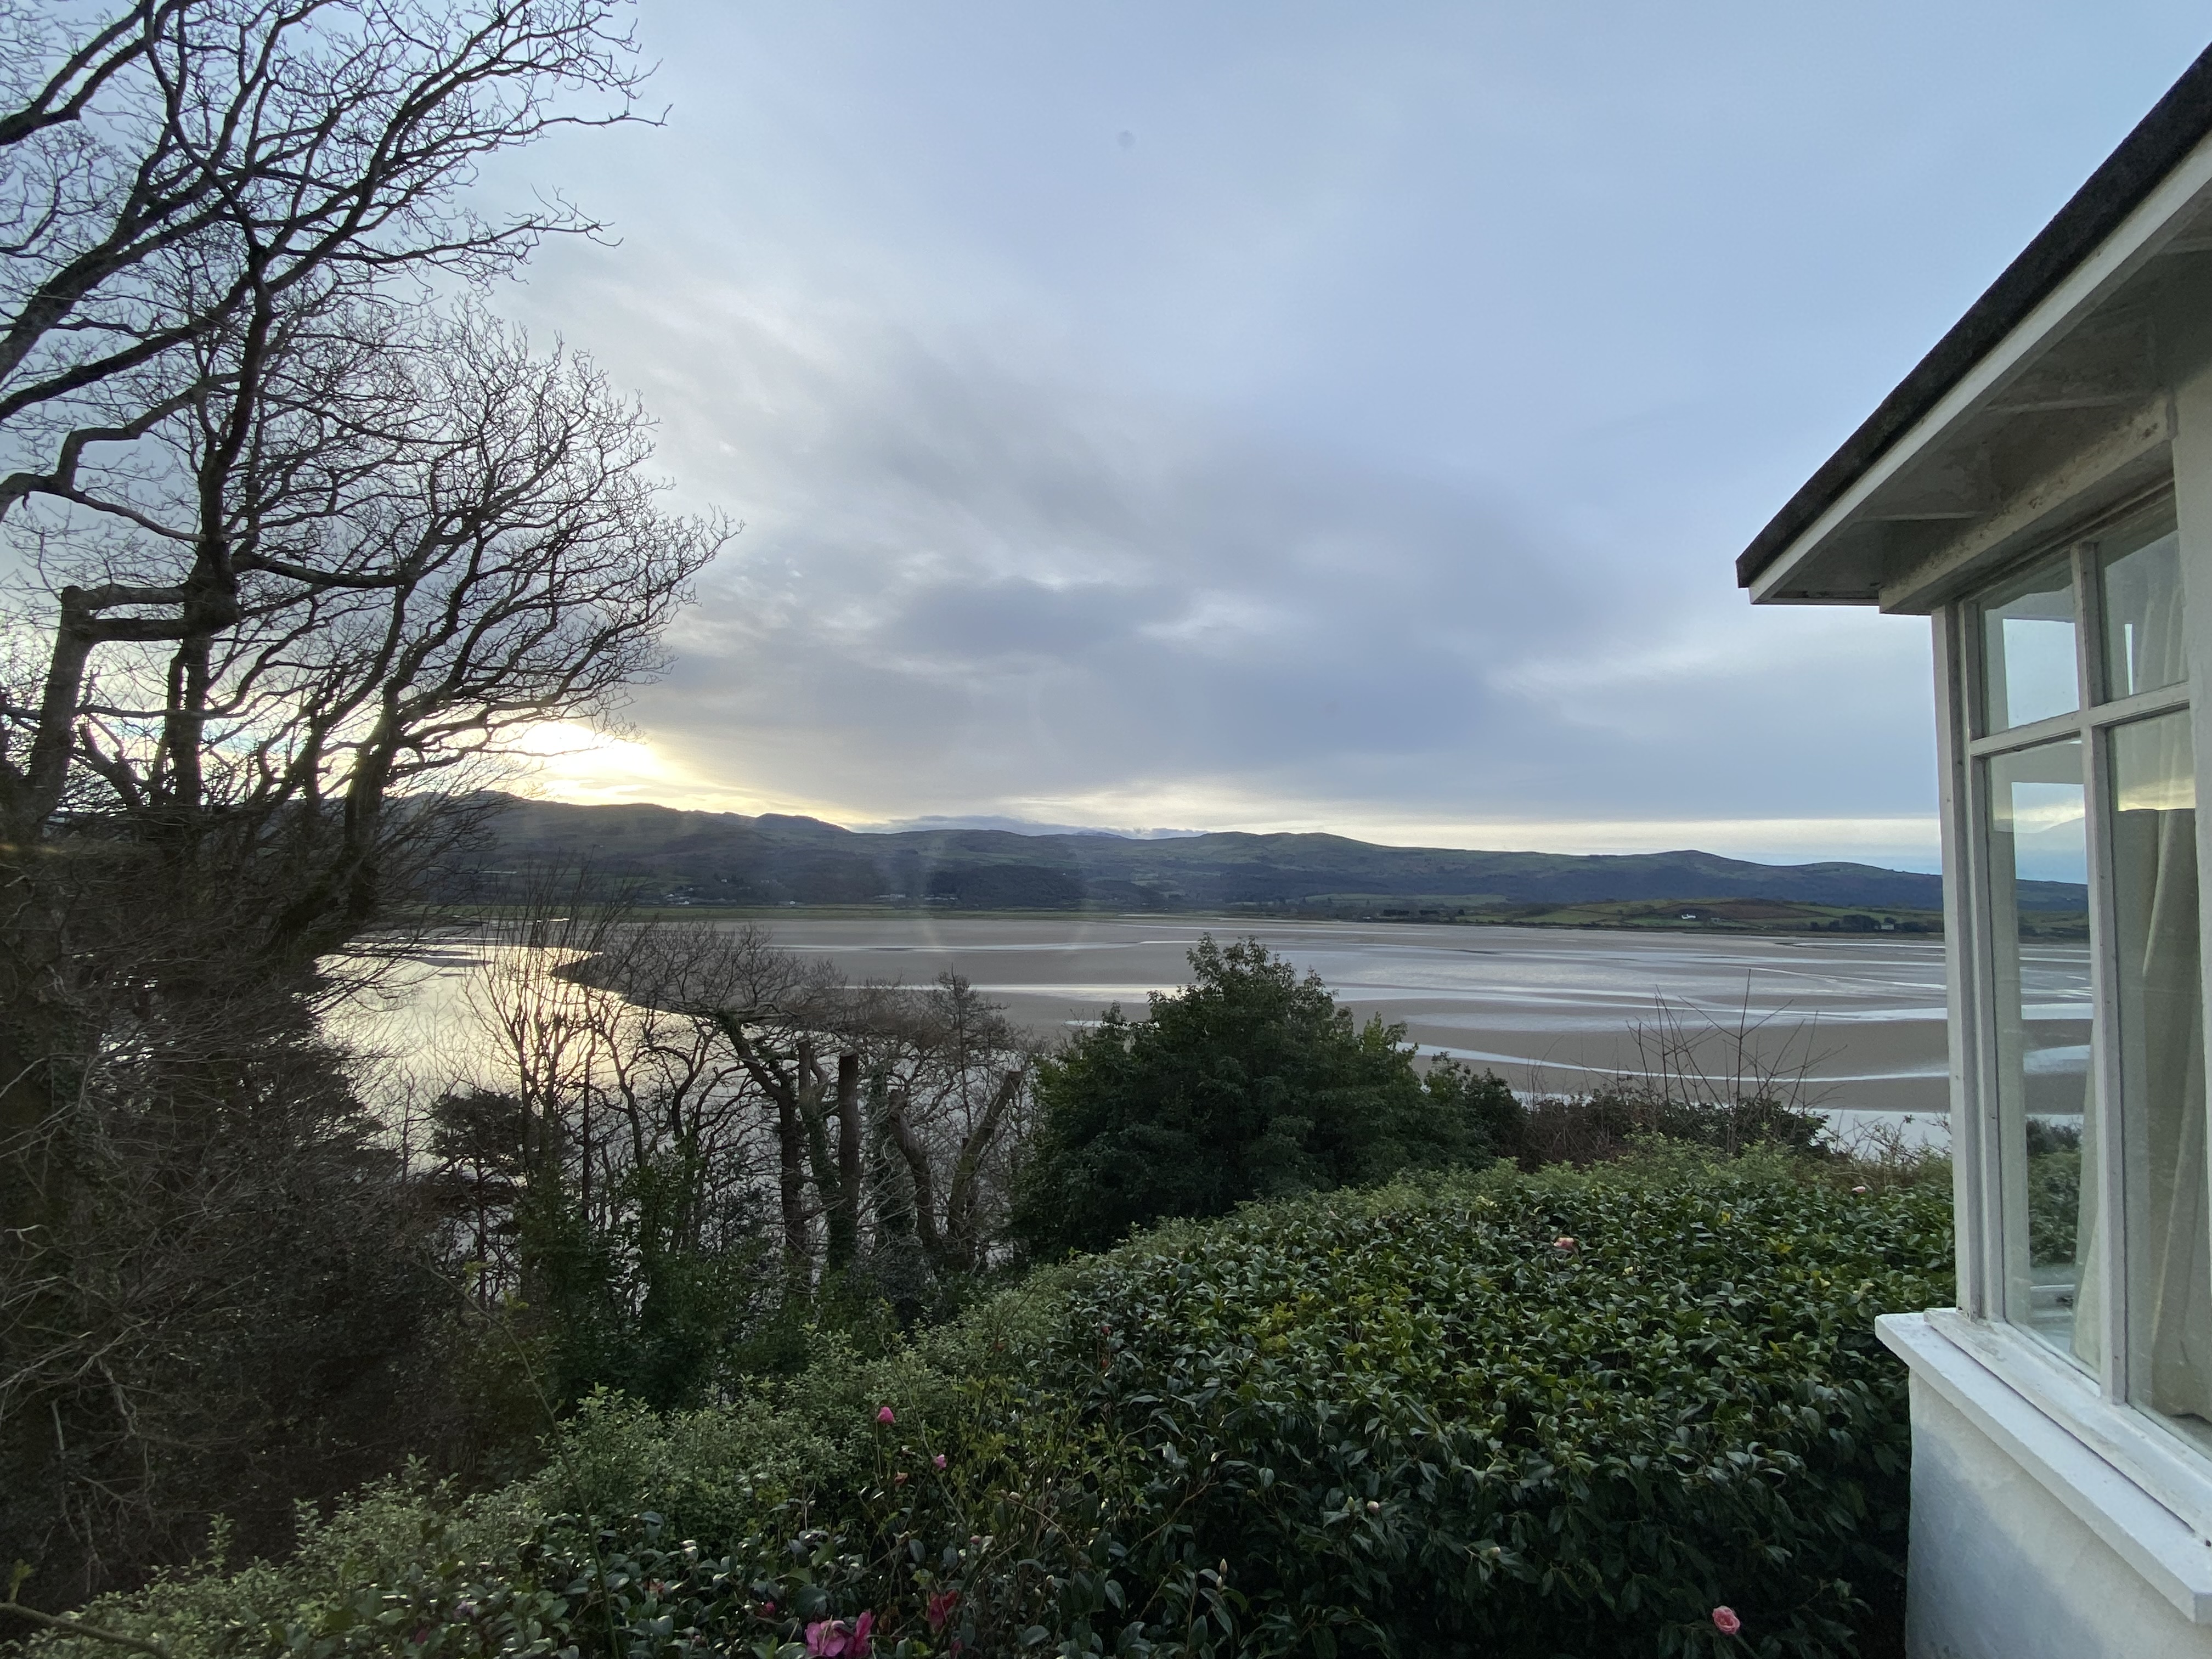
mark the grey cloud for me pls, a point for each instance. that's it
(1015, 621)
(968, 587)
(1369, 443)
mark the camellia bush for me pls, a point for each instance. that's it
(1570, 1414)
(1639, 1409)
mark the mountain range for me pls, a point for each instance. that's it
(669, 855)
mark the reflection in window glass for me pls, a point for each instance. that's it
(2027, 646)
(2040, 958)
(2154, 841)
(2141, 571)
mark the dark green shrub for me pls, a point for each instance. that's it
(1415, 1422)
(1251, 1083)
(1409, 1421)
(2054, 1206)
(1485, 1118)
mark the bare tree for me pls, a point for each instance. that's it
(299, 550)
(947, 1073)
(959, 1112)
(496, 558)
(779, 1010)
(951, 1078)
(951, 1083)
(597, 1021)
(647, 1153)
(175, 174)
(1753, 1073)
(409, 589)
(337, 545)
(185, 182)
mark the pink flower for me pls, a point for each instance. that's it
(899, 1480)
(939, 1460)
(832, 1638)
(939, 1612)
(1562, 1243)
(768, 1609)
(1726, 1622)
(884, 1415)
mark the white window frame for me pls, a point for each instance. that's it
(2095, 1409)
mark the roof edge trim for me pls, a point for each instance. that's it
(2176, 125)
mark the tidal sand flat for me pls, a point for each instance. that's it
(1551, 1010)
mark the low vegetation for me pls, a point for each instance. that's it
(1571, 1411)
(1249, 1083)
(712, 1344)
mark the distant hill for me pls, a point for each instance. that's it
(727, 858)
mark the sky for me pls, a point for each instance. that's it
(1291, 416)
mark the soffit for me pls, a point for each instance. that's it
(2066, 415)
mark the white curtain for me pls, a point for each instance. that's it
(2162, 1065)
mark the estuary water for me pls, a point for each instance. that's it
(1550, 1009)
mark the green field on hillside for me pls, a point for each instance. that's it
(1728, 915)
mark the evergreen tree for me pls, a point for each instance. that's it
(1250, 1083)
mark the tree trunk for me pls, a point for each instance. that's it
(790, 1179)
(925, 1183)
(845, 1215)
(961, 1202)
(769, 1075)
(46, 771)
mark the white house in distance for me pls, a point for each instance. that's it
(2041, 488)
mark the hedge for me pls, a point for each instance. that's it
(1565, 1413)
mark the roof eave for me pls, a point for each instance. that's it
(2176, 127)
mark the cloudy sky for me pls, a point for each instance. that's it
(1287, 416)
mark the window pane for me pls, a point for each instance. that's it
(2161, 1014)
(2141, 569)
(2027, 647)
(2038, 917)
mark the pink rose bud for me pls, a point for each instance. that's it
(885, 1415)
(1726, 1622)
(1858, 1189)
(899, 1480)
(939, 1460)
(1562, 1243)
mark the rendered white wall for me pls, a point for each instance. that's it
(2000, 1570)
